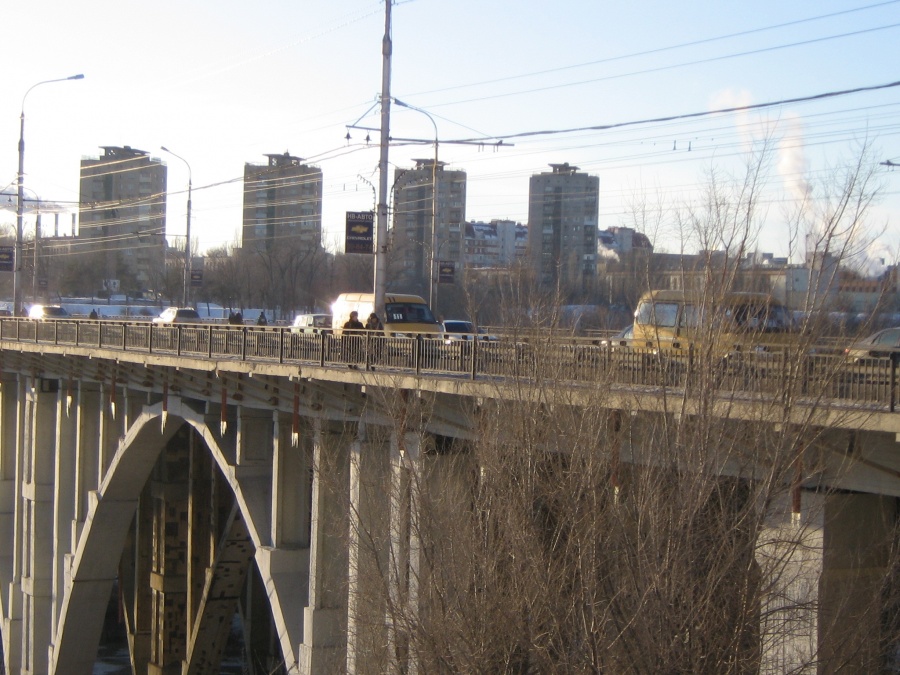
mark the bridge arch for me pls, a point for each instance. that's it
(94, 565)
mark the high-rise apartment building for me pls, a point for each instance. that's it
(498, 243)
(562, 227)
(122, 213)
(282, 204)
(411, 237)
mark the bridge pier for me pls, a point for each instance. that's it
(367, 549)
(790, 555)
(324, 619)
(37, 523)
(63, 497)
(10, 513)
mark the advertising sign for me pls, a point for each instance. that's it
(7, 258)
(360, 232)
(446, 271)
(196, 278)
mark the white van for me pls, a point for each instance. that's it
(311, 323)
(403, 314)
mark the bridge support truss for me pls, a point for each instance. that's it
(299, 507)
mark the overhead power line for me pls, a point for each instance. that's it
(669, 118)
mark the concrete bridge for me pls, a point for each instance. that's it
(192, 473)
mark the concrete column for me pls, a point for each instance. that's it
(857, 569)
(8, 408)
(12, 419)
(405, 548)
(291, 485)
(324, 621)
(202, 530)
(63, 497)
(87, 451)
(112, 425)
(284, 565)
(790, 555)
(38, 517)
(168, 578)
(367, 549)
(136, 590)
(254, 436)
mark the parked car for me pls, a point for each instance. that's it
(884, 343)
(47, 312)
(178, 315)
(311, 323)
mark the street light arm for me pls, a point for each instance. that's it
(434, 202)
(80, 76)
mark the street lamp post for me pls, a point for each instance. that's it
(20, 206)
(187, 240)
(434, 202)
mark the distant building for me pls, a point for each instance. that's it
(621, 242)
(122, 212)
(562, 227)
(411, 237)
(498, 243)
(282, 203)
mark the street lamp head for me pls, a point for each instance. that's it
(79, 76)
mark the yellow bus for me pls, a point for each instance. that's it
(403, 314)
(676, 320)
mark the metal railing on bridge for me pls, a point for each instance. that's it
(831, 375)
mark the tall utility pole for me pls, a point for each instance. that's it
(381, 223)
(20, 207)
(185, 298)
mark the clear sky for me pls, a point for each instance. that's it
(223, 83)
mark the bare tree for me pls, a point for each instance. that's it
(679, 528)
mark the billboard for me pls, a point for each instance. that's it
(446, 271)
(360, 232)
(7, 258)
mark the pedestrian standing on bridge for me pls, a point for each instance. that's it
(373, 322)
(373, 346)
(353, 323)
(350, 344)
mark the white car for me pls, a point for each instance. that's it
(178, 315)
(47, 312)
(457, 329)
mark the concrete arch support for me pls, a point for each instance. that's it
(111, 512)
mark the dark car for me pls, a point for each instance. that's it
(47, 312)
(884, 343)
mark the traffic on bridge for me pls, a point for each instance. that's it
(837, 373)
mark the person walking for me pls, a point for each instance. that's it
(261, 321)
